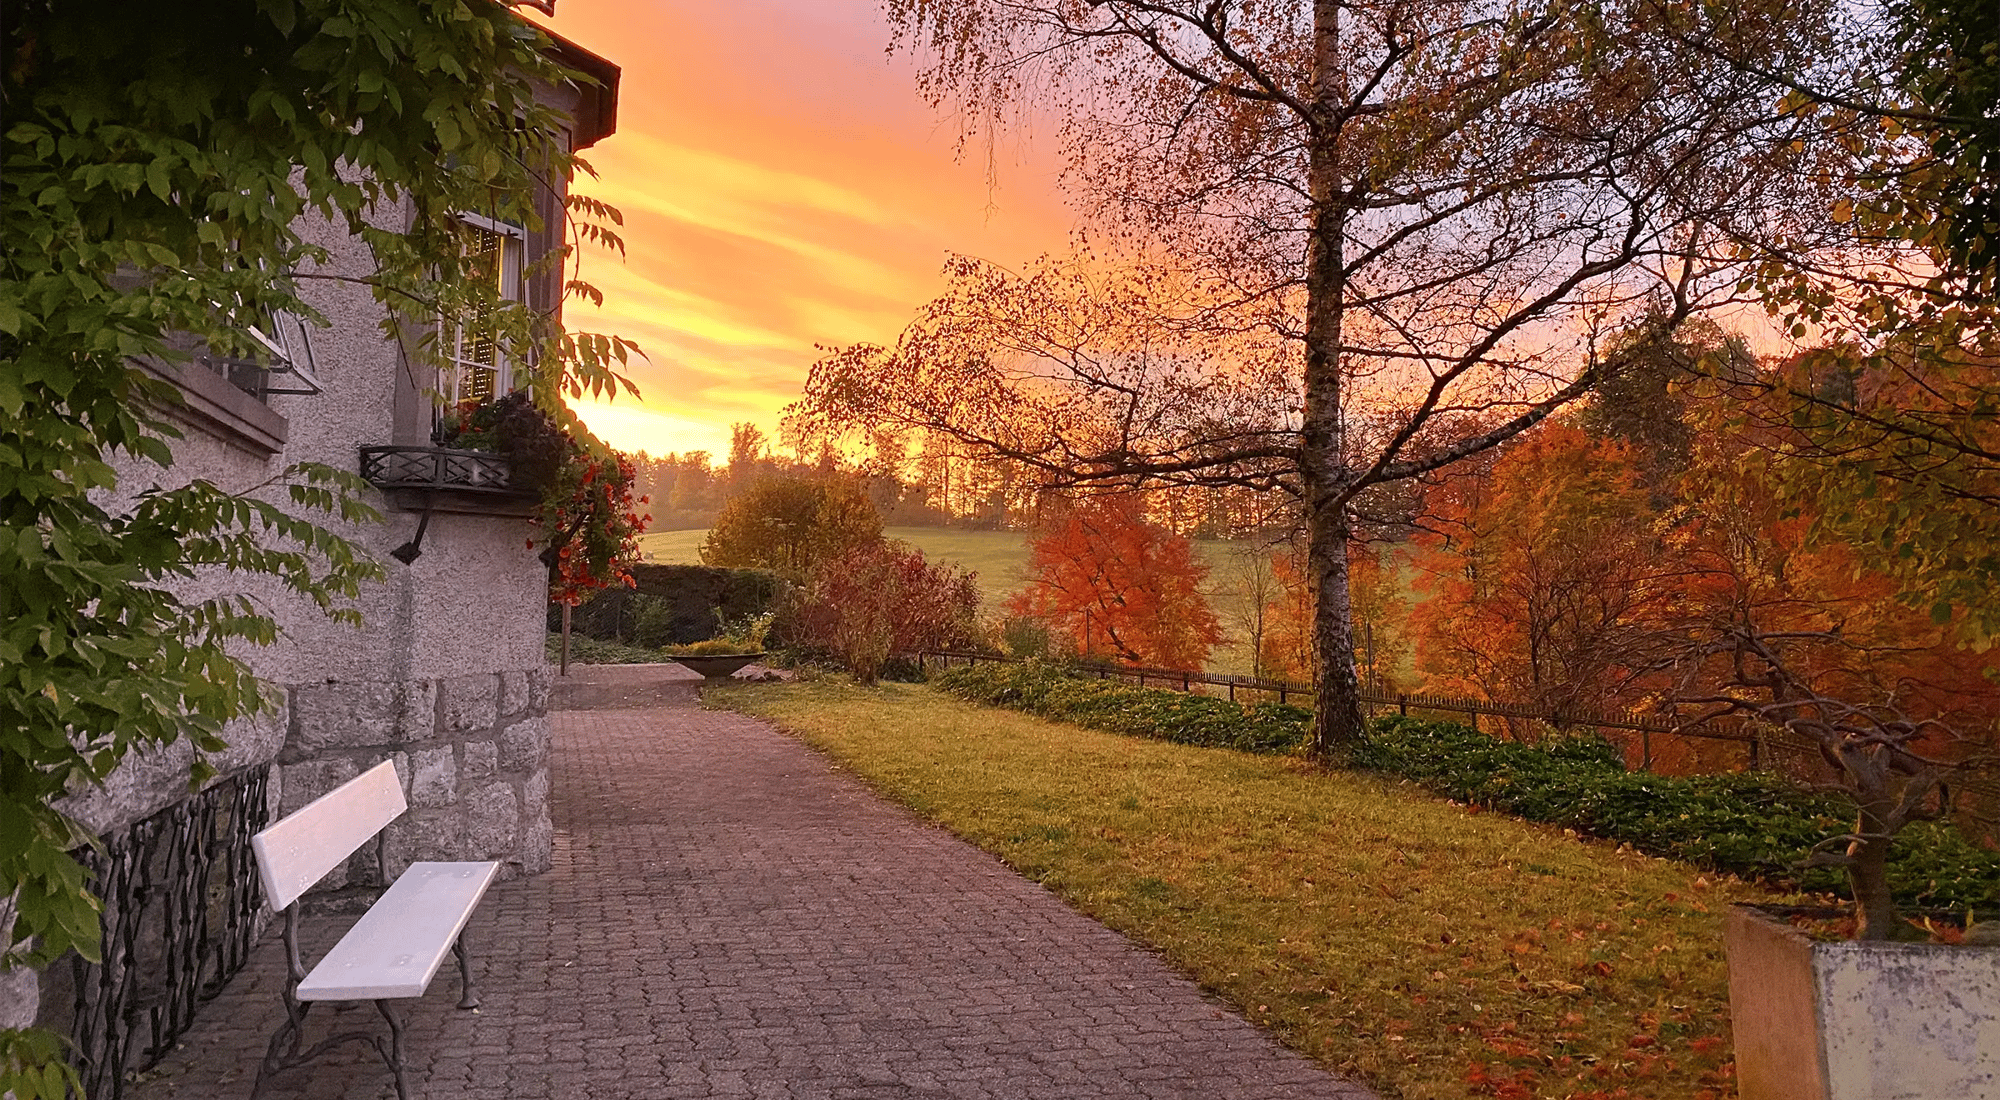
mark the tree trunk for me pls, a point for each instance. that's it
(1325, 478)
(1868, 876)
(1337, 722)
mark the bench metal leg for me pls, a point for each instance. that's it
(468, 998)
(282, 1054)
(394, 1055)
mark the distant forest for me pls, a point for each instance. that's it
(913, 485)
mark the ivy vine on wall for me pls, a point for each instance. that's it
(157, 167)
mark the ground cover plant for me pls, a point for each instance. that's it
(1753, 825)
(1432, 950)
(584, 650)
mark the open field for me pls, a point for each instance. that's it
(1430, 950)
(999, 558)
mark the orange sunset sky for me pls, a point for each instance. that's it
(783, 185)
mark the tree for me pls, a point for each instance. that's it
(1789, 631)
(1257, 589)
(878, 599)
(1547, 581)
(1119, 586)
(790, 524)
(159, 170)
(1336, 245)
(748, 450)
(1884, 420)
(1380, 607)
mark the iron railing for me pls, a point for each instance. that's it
(438, 468)
(181, 900)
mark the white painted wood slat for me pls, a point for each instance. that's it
(301, 849)
(395, 949)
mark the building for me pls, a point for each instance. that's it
(446, 675)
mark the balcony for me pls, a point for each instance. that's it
(446, 479)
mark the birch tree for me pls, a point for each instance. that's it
(1330, 246)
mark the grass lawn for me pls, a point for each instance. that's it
(1000, 559)
(1431, 951)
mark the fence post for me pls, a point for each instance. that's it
(1645, 750)
(1281, 693)
(1403, 705)
(1232, 691)
(1187, 682)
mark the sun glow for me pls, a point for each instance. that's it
(783, 186)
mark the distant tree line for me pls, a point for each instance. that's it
(911, 481)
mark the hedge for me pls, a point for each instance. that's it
(1752, 824)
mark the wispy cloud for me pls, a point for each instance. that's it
(783, 186)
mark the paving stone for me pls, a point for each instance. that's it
(725, 915)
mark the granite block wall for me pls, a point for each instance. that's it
(473, 754)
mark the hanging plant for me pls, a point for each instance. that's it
(590, 523)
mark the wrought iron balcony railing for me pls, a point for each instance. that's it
(439, 468)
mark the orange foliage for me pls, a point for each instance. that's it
(1545, 581)
(1555, 577)
(1759, 564)
(1380, 615)
(1119, 586)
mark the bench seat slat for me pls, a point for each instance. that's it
(299, 851)
(395, 949)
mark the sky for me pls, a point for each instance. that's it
(783, 185)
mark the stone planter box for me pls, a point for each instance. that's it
(717, 666)
(1860, 1021)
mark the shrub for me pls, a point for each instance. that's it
(672, 604)
(876, 600)
(711, 647)
(1752, 824)
(1055, 692)
(1025, 636)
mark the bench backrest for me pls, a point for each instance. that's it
(299, 850)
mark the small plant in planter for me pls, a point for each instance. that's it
(589, 521)
(1868, 1017)
(1889, 763)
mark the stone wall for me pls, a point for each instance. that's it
(473, 753)
(445, 675)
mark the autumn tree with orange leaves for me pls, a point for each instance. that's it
(1332, 246)
(1118, 586)
(1381, 610)
(1545, 577)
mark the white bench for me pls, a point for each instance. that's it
(394, 950)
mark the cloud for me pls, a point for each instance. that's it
(783, 186)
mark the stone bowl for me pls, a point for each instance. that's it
(715, 666)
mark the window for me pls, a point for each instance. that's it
(280, 359)
(478, 369)
(289, 366)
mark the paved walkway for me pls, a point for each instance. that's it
(729, 916)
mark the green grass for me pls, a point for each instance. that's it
(1432, 951)
(1000, 559)
(591, 651)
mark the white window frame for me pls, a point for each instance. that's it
(289, 344)
(465, 364)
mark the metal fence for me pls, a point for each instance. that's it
(181, 905)
(1649, 743)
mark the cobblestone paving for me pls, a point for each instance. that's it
(730, 916)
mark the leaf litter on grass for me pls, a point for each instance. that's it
(1429, 950)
